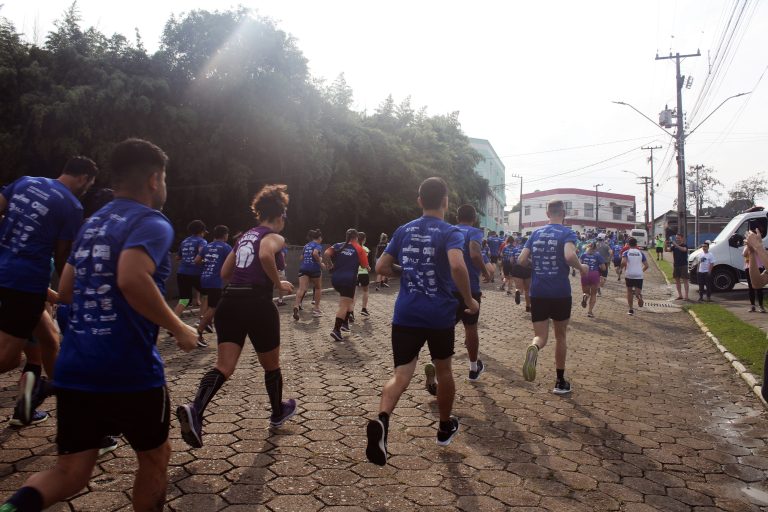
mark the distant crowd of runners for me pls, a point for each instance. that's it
(102, 361)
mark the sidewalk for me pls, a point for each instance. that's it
(658, 420)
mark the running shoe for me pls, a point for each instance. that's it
(287, 412)
(295, 313)
(584, 300)
(444, 437)
(313, 302)
(631, 312)
(376, 288)
(385, 285)
(208, 328)
(639, 300)
(108, 444)
(201, 340)
(517, 297)
(509, 292)
(345, 327)
(24, 409)
(431, 380)
(474, 376)
(37, 417)
(365, 312)
(301, 307)
(752, 310)
(599, 292)
(501, 288)
(191, 425)
(281, 302)
(336, 335)
(317, 313)
(562, 387)
(351, 319)
(590, 315)
(529, 367)
(527, 309)
(762, 309)
(376, 451)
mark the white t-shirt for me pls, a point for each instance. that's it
(706, 261)
(635, 259)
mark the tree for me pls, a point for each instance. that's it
(750, 189)
(706, 189)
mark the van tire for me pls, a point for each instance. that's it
(723, 279)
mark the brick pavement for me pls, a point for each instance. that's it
(657, 420)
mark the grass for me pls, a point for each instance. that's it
(745, 341)
(666, 268)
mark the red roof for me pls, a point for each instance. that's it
(579, 191)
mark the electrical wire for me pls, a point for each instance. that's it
(576, 147)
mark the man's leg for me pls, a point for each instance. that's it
(47, 335)
(365, 297)
(592, 299)
(10, 351)
(447, 388)
(677, 285)
(471, 341)
(685, 286)
(396, 386)
(70, 475)
(561, 347)
(151, 481)
(630, 296)
(540, 332)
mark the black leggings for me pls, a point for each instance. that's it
(753, 290)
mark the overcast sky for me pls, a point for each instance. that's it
(535, 78)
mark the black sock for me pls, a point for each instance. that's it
(209, 385)
(27, 499)
(346, 318)
(273, 380)
(446, 426)
(560, 374)
(337, 325)
(34, 368)
(384, 417)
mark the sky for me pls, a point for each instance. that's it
(537, 79)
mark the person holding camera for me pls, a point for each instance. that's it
(680, 264)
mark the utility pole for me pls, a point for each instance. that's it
(653, 193)
(597, 208)
(646, 181)
(520, 213)
(682, 217)
(697, 198)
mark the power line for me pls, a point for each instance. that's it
(576, 147)
(585, 166)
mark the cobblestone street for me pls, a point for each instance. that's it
(658, 420)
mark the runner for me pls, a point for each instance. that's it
(382, 245)
(310, 270)
(282, 273)
(485, 252)
(363, 277)
(659, 242)
(618, 249)
(428, 254)
(40, 218)
(680, 265)
(188, 273)
(494, 245)
(521, 275)
(704, 272)
(604, 248)
(247, 309)
(344, 259)
(211, 258)
(507, 262)
(550, 251)
(590, 283)
(109, 373)
(635, 263)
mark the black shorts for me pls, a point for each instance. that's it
(214, 296)
(363, 279)
(494, 259)
(603, 273)
(634, 283)
(521, 272)
(407, 343)
(466, 318)
(310, 274)
(544, 308)
(680, 272)
(84, 418)
(659, 250)
(345, 291)
(20, 312)
(506, 267)
(249, 313)
(186, 284)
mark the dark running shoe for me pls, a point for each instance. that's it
(201, 340)
(108, 444)
(37, 417)
(385, 285)
(631, 312)
(527, 309)
(336, 335)
(295, 313)
(444, 437)
(351, 318)
(562, 387)
(365, 312)
(475, 376)
(430, 382)
(517, 297)
(191, 425)
(287, 412)
(639, 300)
(584, 300)
(345, 327)
(376, 451)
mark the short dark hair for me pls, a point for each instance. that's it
(134, 160)
(80, 166)
(270, 202)
(351, 235)
(556, 207)
(361, 237)
(221, 231)
(313, 234)
(432, 191)
(632, 242)
(195, 227)
(466, 213)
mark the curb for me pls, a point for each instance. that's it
(745, 375)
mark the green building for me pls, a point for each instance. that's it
(491, 168)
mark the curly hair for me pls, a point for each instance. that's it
(270, 202)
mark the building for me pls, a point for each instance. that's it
(615, 212)
(709, 226)
(492, 208)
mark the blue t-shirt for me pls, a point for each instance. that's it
(213, 255)
(592, 261)
(516, 250)
(421, 249)
(471, 234)
(189, 250)
(109, 347)
(308, 263)
(550, 271)
(40, 212)
(494, 243)
(508, 255)
(346, 262)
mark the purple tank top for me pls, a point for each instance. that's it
(248, 269)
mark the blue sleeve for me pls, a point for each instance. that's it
(643, 255)
(475, 235)
(455, 240)
(154, 235)
(570, 237)
(581, 258)
(529, 243)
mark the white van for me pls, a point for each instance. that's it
(728, 248)
(641, 236)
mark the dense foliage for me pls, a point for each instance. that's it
(229, 97)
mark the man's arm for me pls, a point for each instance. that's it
(573, 259)
(67, 284)
(327, 255)
(385, 265)
(476, 256)
(60, 254)
(3, 204)
(460, 278)
(523, 259)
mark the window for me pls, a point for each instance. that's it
(568, 205)
(527, 212)
(617, 213)
(589, 210)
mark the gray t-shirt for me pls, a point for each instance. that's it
(605, 250)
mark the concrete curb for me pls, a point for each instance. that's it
(745, 375)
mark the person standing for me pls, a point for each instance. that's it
(363, 276)
(247, 309)
(311, 271)
(211, 259)
(381, 281)
(344, 259)
(550, 251)
(635, 264)
(680, 265)
(704, 272)
(428, 253)
(759, 278)
(755, 292)
(494, 244)
(188, 273)
(659, 248)
(109, 374)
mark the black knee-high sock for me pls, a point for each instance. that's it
(273, 380)
(34, 368)
(209, 385)
(27, 499)
(337, 325)
(346, 318)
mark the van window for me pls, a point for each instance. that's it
(638, 233)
